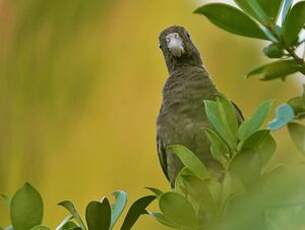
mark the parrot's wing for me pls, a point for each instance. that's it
(162, 155)
(239, 113)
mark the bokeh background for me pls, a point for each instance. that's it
(80, 85)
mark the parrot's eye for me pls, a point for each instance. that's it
(176, 35)
(168, 40)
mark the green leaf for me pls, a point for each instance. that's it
(156, 191)
(189, 159)
(40, 227)
(71, 208)
(26, 208)
(222, 116)
(285, 10)
(251, 125)
(255, 9)
(177, 209)
(98, 215)
(284, 115)
(297, 134)
(63, 222)
(6, 199)
(69, 225)
(137, 209)
(218, 148)
(179, 182)
(274, 70)
(118, 207)
(273, 51)
(198, 190)
(298, 105)
(294, 23)
(162, 220)
(10, 227)
(231, 19)
(254, 154)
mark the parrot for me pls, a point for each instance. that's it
(182, 119)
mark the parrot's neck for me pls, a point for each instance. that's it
(175, 64)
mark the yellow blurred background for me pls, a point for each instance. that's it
(80, 90)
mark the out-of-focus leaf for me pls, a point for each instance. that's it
(6, 199)
(10, 227)
(179, 182)
(40, 227)
(298, 105)
(273, 51)
(251, 125)
(297, 133)
(222, 116)
(71, 208)
(199, 192)
(274, 70)
(26, 208)
(294, 23)
(254, 154)
(285, 10)
(219, 149)
(231, 19)
(284, 115)
(98, 215)
(156, 191)
(137, 209)
(118, 207)
(162, 220)
(177, 209)
(286, 218)
(190, 160)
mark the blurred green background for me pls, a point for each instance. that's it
(80, 85)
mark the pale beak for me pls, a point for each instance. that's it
(175, 45)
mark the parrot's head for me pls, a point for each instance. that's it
(178, 48)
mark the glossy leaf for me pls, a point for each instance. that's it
(162, 220)
(260, 9)
(297, 133)
(156, 191)
(69, 225)
(177, 209)
(118, 207)
(137, 209)
(26, 208)
(219, 149)
(273, 51)
(40, 227)
(285, 10)
(63, 222)
(279, 69)
(251, 125)
(190, 160)
(284, 115)
(98, 215)
(231, 19)
(71, 208)
(294, 23)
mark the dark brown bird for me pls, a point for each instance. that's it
(182, 119)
